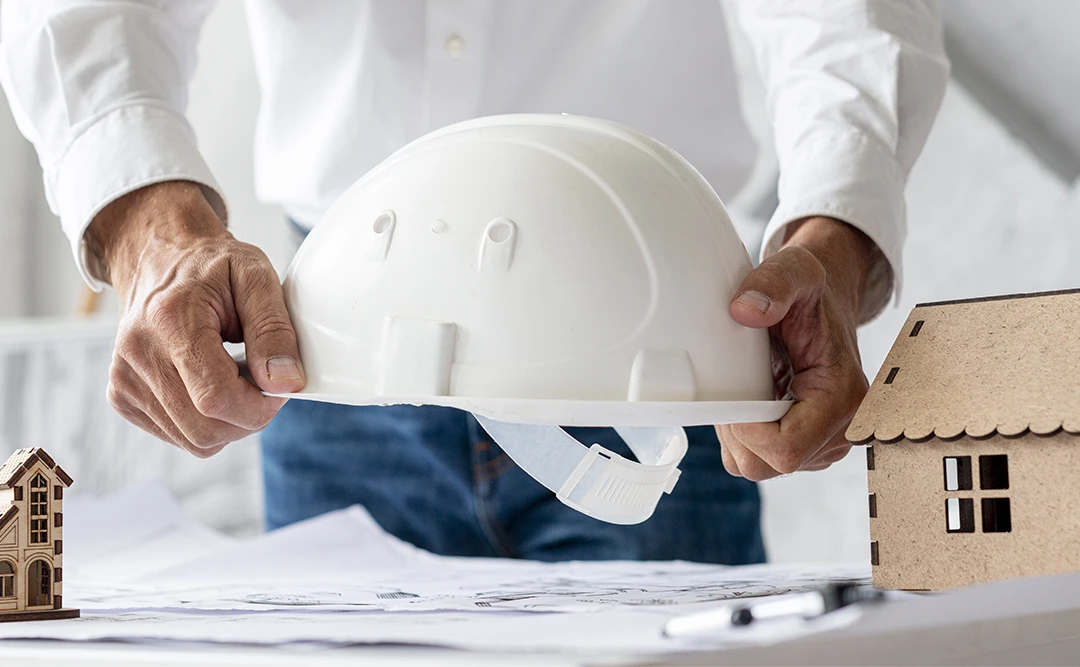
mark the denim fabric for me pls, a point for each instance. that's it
(433, 477)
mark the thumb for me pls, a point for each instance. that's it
(769, 291)
(269, 338)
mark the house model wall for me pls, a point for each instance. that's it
(972, 429)
(31, 537)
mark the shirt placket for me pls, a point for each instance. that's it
(457, 43)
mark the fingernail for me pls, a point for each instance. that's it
(282, 368)
(755, 300)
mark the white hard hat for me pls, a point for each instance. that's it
(538, 270)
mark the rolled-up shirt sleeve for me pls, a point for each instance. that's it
(852, 89)
(100, 89)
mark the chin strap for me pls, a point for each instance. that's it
(595, 480)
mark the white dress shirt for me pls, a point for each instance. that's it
(840, 94)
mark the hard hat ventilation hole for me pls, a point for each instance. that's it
(497, 245)
(377, 245)
(383, 223)
(500, 231)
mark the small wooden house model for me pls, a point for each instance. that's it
(972, 429)
(31, 537)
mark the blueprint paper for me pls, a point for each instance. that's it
(343, 561)
(339, 546)
(339, 579)
(463, 586)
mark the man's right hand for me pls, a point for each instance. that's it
(185, 286)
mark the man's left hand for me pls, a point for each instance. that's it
(808, 295)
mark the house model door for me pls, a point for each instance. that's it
(38, 584)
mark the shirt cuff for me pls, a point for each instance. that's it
(122, 151)
(851, 178)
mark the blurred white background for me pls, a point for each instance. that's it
(994, 207)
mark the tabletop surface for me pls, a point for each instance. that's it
(1047, 638)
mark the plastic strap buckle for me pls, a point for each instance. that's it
(614, 489)
(595, 480)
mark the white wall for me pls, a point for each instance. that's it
(37, 275)
(15, 173)
(52, 395)
(224, 102)
(1022, 60)
(985, 218)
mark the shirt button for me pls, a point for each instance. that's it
(455, 45)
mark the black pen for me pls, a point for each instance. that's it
(806, 605)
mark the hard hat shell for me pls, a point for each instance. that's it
(535, 268)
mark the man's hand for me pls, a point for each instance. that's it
(808, 295)
(185, 286)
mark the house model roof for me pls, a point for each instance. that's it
(11, 473)
(1005, 365)
(16, 466)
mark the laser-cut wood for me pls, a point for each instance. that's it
(38, 615)
(992, 381)
(31, 535)
(1000, 365)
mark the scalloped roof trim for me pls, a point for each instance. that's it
(948, 433)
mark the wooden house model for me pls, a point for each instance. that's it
(972, 429)
(31, 537)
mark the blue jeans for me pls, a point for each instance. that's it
(433, 477)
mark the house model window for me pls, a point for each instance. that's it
(994, 472)
(957, 473)
(39, 510)
(996, 515)
(960, 515)
(993, 476)
(7, 579)
(959, 512)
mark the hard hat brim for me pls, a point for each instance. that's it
(580, 413)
